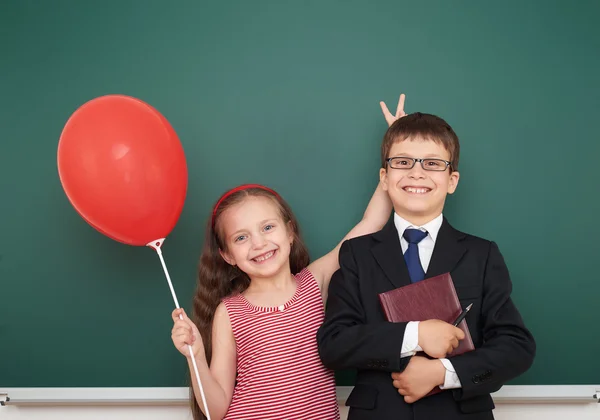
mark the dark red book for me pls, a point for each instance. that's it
(432, 298)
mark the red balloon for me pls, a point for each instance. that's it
(123, 168)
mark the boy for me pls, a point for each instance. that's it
(419, 168)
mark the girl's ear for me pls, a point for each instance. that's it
(228, 258)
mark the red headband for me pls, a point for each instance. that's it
(234, 190)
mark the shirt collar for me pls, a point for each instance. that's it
(432, 227)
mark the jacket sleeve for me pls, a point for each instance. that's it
(508, 347)
(346, 339)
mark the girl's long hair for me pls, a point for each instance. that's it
(217, 279)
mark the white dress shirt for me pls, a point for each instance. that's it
(410, 344)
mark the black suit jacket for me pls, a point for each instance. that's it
(355, 334)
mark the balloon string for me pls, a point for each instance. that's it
(156, 246)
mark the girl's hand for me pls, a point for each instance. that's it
(185, 332)
(389, 117)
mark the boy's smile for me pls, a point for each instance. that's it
(416, 190)
(418, 195)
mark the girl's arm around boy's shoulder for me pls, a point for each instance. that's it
(376, 215)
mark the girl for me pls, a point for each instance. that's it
(257, 308)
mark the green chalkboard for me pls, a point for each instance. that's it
(286, 93)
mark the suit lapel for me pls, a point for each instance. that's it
(447, 251)
(388, 254)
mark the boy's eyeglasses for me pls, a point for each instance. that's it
(400, 162)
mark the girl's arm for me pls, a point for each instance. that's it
(218, 380)
(375, 216)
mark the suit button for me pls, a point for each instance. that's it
(384, 363)
(370, 364)
(476, 379)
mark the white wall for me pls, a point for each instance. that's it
(590, 411)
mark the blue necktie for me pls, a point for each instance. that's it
(411, 256)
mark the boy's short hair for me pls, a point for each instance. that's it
(426, 126)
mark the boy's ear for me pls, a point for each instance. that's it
(383, 179)
(228, 259)
(453, 183)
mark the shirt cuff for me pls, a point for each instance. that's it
(410, 343)
(451, 380)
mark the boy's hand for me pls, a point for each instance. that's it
(389, 117)
(185, 332)
(420, 376)
(438, 338)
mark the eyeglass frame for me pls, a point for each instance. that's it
(421, 161)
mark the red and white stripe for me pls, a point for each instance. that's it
(279, 372)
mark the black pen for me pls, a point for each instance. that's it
(462, 315)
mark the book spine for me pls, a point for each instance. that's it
(385, 306)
